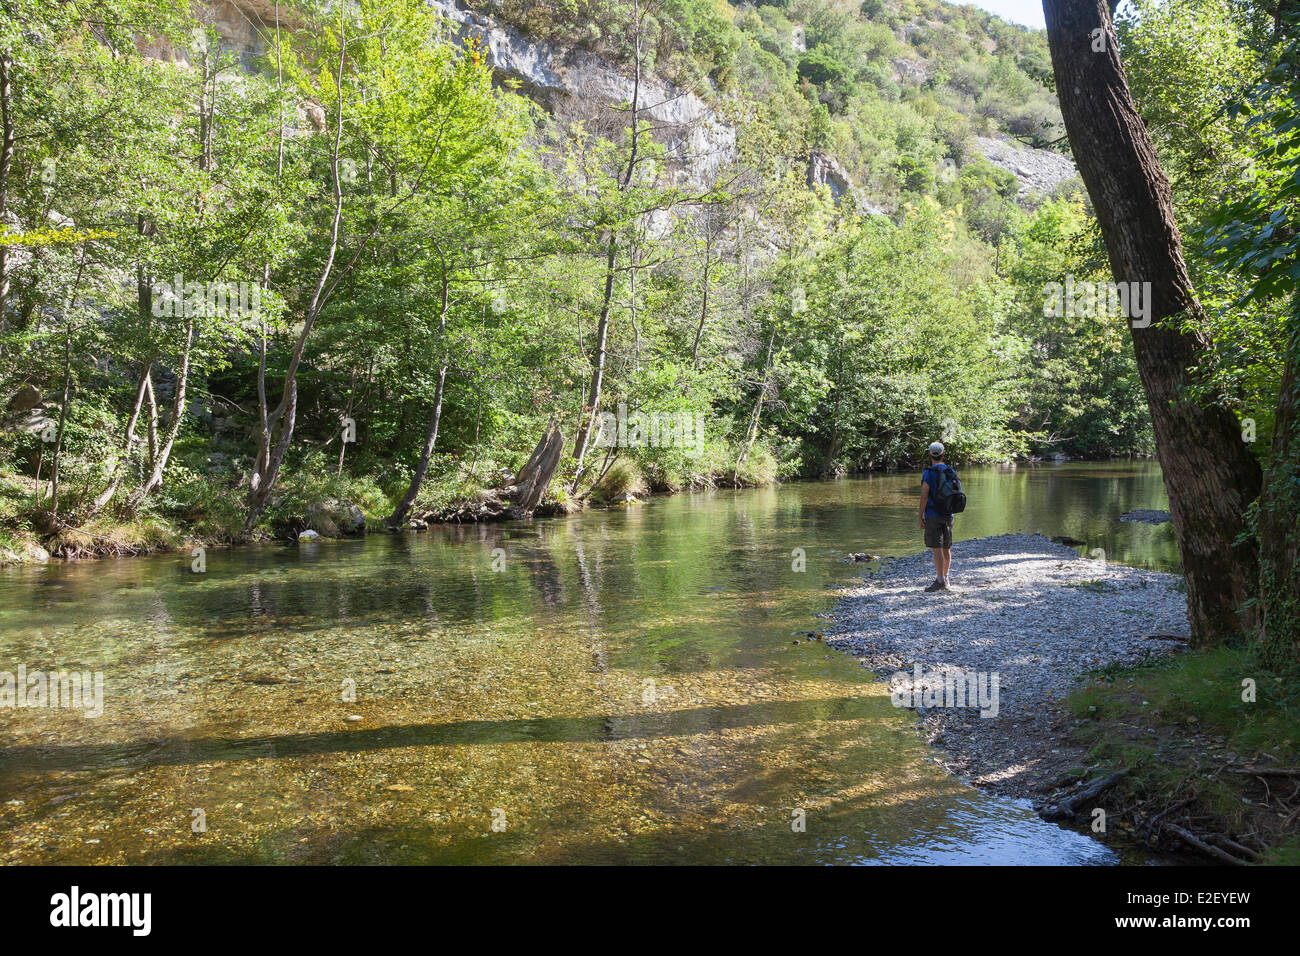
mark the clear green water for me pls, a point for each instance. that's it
(626, 689)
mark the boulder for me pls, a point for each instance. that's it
(334, 518)
(24, 400)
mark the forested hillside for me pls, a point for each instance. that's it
(270, 266)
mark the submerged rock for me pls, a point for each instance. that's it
(1145, 516)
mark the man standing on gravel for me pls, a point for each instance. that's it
(936, 524)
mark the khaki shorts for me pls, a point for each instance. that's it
(938, 532)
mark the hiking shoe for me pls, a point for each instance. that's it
(937, 585)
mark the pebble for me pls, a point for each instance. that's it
(1010, 609)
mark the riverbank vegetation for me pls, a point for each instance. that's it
(1224, 768)
(339, 269)
(346, 267)
(353, 267)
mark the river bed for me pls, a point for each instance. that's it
(616, 687)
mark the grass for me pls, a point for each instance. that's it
(623, 478)
(1204, 690)
(105, 534)
(1181, 728)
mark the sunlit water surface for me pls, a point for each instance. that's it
(626, 689)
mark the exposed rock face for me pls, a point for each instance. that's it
(1040, 171)
(696, 138)
(910, 72)
(239, 23)
(825, 170)
(33, 421)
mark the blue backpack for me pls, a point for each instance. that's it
(946, 491)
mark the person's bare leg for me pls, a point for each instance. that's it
(938, 564)
(942, 561)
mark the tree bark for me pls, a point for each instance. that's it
(422, 466)
(144, 308)
(535, 477)
(160, 457)
(128, 439)
(1210, 475)
(276, 430)
(756, 416)
(592, 406)
(435, 418)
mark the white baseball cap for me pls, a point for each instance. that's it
(936, 449)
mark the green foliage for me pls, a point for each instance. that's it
(481, 241)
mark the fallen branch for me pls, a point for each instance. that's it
(1198, 843)
(1067, 808)
(1231, 844)
(1150, 825)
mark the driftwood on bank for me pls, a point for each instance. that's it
(1195, 841)
(1069, 807)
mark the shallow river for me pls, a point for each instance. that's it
(622, 686)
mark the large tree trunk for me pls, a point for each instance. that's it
(535, 477)
(1209, 473)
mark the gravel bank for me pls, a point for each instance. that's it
(1022, 607)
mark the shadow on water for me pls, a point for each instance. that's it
(625, 689)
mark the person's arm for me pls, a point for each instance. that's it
(925, 498)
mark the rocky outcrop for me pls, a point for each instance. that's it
(28, 412)
(241, 25)
(1040, 171)
(825, 170)
(698, 142)
(910, 72)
